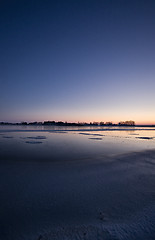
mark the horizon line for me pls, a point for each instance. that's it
(65, 123)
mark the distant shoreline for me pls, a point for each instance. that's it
(48, 123)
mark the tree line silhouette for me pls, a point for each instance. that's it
(60, 123)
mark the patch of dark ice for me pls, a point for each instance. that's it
(33, 142)
(148, 138)
(7, 137)
(95, 138)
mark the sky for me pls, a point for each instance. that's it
(77, 60)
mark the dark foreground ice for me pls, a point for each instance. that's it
(74, 196)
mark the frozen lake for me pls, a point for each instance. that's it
(77, 183)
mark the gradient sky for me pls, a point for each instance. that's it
(77, 60)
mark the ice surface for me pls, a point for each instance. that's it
(72, 188)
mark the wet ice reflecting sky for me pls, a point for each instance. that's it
(53, 144)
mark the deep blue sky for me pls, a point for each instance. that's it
(77, 60)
